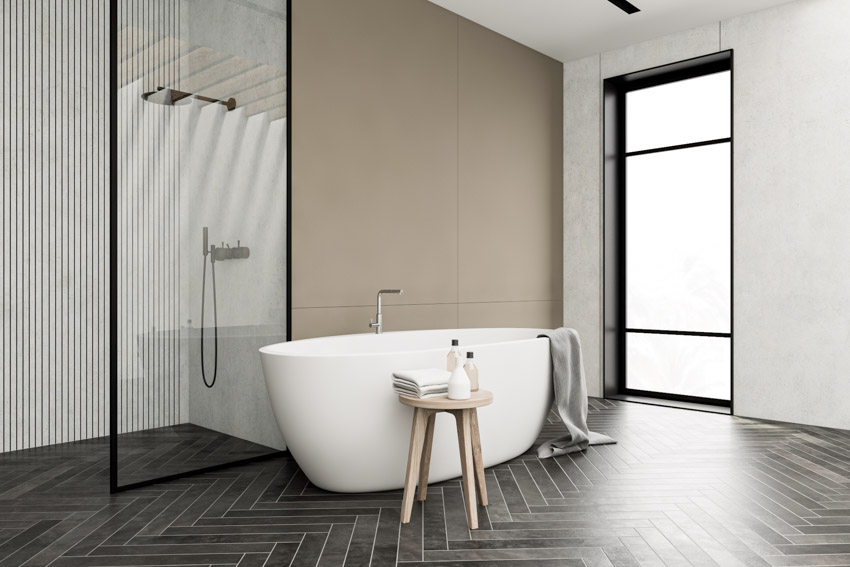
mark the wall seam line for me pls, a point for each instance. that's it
(372, 306)
(457, 173)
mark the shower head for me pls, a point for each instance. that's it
(170, 97)
(165, 97)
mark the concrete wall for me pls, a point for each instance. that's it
(233, 180)
(792, 254)
(427, 156)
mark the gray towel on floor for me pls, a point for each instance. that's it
(570, 396)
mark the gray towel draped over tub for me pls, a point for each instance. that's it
(570, 396)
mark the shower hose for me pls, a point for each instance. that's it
(215, 324)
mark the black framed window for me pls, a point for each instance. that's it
(669, 249)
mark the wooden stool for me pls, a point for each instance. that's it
(422, 436)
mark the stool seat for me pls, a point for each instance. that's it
(444, 403)
(469, 442)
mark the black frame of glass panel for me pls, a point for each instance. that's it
(113, 252)
(614, 220)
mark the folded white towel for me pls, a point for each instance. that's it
(411, 387)
(424, 377)
(420, 395)
(424, 383)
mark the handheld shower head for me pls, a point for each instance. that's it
(206, 240)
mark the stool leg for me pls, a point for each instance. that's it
(479, 461)
(417, 435)
(425, 465)
(464, 438)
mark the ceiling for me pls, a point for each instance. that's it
(161, 61)
(571, 29)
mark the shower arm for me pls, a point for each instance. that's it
(176, 96)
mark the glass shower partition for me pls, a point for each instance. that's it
(199, 218)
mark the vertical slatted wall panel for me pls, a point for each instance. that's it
(54, 249)
(148, 209)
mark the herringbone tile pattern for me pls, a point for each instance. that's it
(680, 488)
(165, 451)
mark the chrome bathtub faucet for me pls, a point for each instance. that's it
(379, 324)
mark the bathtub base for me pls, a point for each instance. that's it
(344, 425)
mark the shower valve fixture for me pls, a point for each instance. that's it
(225, 251)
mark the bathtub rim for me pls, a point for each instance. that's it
(268, 349)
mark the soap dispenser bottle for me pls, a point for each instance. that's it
(459, 384)
(454, 358)
(471, 372)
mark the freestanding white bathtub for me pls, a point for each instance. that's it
(342, 422)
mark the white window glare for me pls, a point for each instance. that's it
(678, 230)
(683, 112)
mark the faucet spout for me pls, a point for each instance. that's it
(378, 324)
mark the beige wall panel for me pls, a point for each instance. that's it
(308, 323)
(510, 192)
(383, 94)
(374, 152)
(533, 314)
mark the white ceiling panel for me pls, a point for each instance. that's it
(571, 29)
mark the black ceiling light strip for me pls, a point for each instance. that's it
(625, 6)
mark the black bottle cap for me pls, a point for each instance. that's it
(469, 355)
(455, 342)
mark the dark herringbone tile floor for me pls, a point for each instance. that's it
(166, 451)
(680, 488)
